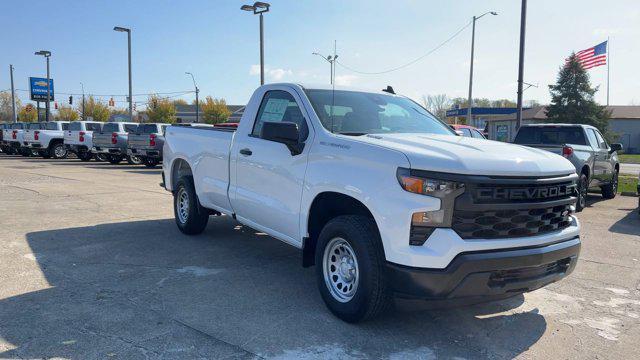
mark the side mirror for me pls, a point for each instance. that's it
(615, 147)
(283, 132)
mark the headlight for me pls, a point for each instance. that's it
(424, 223)
(432, 187)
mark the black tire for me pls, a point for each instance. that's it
(24, 152)
(134, 160)
(372, 295)
(583, 188)
(85, 156)
(150, 162)
(193, 220)
(101, 157)
(609, 191)
(58, 151)
(114, 159)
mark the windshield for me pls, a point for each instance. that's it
(75, 126)
(358, 113)
(147, 128)
(17, 126)
(550, 135)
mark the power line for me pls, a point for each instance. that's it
(411, 62)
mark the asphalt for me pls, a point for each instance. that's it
(93, 267)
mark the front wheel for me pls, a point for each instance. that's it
(134, 160)
(610, 190)
(114, 159)
(583, 187)
(85, 156)
(191, 218)
(350, 269)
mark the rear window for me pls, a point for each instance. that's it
(34, 126)
(147, 128)
(94, 126)
(130, 128)
(51, 126)
(550, 135)
(110, 127)
(75, 126)
(17, 126)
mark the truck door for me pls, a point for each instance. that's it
(604, 158)
(269, 180)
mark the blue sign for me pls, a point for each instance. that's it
(38, 89)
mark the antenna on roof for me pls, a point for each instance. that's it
(389, 89)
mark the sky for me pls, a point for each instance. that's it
(219, 44)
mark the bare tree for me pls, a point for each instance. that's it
(437, 104)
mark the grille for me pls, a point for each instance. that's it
(495, 224)
(504, 277)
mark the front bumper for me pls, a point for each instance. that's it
(488, 274)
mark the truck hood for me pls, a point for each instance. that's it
(464, 155)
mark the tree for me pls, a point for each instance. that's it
(437, 104)
(95, 109)
(572, 98)
(215, 110)
(28, 113)
(6, 110)
(68, 113)
(161, 110)
(180, 102)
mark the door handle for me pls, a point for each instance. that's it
(246, 152)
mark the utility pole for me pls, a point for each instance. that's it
(473, 40)
(13, 95)
(128, 31)
(83, 114)
(523, 23)
(197, 91)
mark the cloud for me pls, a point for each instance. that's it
(605, 31)
(345, 80)
(276, 74)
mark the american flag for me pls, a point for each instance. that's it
(593, 56)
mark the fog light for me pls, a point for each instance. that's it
(423, 224)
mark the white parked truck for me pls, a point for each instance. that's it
(382, 197)
(79, 138)
(48, 141)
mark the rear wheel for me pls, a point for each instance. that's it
(134, 160)
(350, 269)
(101, 157)
(150, 162)
(583, 187)
(85, 156)
(114, 159)
(609, 191)
(58, 151)
(191, 218)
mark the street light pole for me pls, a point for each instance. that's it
(128, 31)
(331, 60)
(47, 55)
(473, 39)
(13, 95)
(197, 91)
(258, 8)
(523, 24)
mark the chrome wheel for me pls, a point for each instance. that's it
(59, 151)
(182, 205)
(340, 268)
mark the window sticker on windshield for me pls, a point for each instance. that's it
(274, 110)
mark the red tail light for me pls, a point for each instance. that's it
(36, 135)
(567, 151)
(152, 140)
(114, 138)
(81, 136)
(14, 134)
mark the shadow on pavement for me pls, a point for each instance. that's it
(629, 224)
(138, 289)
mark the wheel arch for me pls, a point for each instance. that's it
(179, 168)
(324, 207)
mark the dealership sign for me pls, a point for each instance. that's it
(38, 89)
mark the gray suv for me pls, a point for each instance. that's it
(596, 161)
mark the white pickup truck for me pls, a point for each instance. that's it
(48, 141)
(79, 138)
(381, 196)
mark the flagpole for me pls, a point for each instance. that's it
(608, 64)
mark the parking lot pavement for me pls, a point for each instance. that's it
(92, 266)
